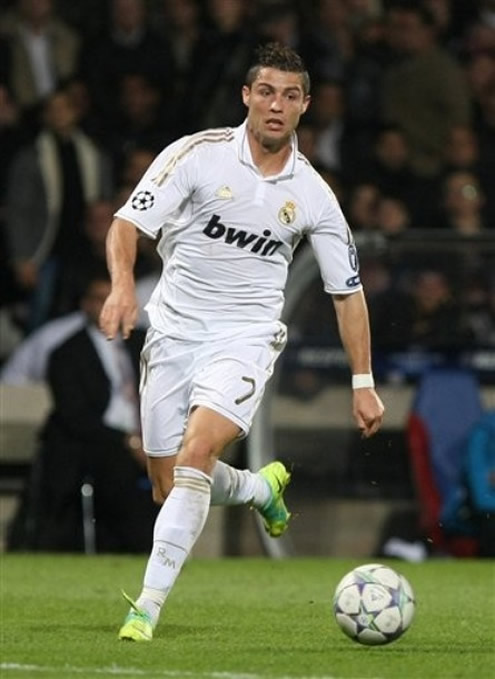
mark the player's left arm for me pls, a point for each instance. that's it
(354, 329)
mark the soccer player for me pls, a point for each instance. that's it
(229, 207)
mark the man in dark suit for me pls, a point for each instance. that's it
(92, 437)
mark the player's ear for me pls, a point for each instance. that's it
(246, 93)
(306, 103)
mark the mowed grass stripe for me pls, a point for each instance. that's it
(231, 618)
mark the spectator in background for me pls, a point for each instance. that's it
(392, 216)
(280, 22)
(463, 153)
(127, 45)
(28, 362)
(80, 265)
(226, 52)
(461, 149)
(328, 45)
(335, 144)
(136, 162)
(88, 120)
(485, 129)
(183, 29)
(143, 120)
(43, 51)
(478, 296)
(462, 208)
(425, 315)
(92, 434)
(362, 205)
(372, 56)
(425, 93)
(390, 169)
(50, 183)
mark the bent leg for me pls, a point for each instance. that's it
(208, 433)
(184, 512)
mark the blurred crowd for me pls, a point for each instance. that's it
(402, 123)
(401, 126)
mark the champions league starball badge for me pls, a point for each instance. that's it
(143, 200)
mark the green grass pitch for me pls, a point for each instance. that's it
(236, 619)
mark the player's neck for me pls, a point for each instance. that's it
(270, 160)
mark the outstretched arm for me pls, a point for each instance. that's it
(353, 322)
(120, 309)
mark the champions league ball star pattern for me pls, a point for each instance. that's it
(373, 604)
(143, 200)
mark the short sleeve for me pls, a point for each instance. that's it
(333, 244)
(165, 186)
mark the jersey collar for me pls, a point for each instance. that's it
(246, 158)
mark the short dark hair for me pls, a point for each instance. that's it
(275, 55)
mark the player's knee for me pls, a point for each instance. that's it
(198, 452)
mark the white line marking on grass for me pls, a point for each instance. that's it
(115, 670)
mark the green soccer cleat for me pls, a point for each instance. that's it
(137, 625)
(275, 514)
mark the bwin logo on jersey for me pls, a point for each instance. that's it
(242, 239)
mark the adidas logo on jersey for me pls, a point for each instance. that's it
(224, 192)
(242, 239)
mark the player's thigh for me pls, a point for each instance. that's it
(232, 382)
(207, 434)
(166, 373)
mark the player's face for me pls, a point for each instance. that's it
(275, 102)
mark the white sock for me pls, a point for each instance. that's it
(238, 487)
(177, 527)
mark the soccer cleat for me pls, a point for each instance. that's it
(137, 625)
(275, 514)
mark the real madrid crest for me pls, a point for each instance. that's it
(287, 213)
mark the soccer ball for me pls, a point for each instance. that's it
(373, 604)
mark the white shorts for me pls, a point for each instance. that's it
(176, 376)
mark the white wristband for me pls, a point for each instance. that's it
(364, 381)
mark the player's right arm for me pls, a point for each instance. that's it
(120, 310)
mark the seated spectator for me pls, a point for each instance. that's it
(28, 360)
(60, 173)
(91, 436)
(28, 363)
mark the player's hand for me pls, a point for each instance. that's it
(119, 313)
(368, 411)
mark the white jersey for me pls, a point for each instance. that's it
(227, 235)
